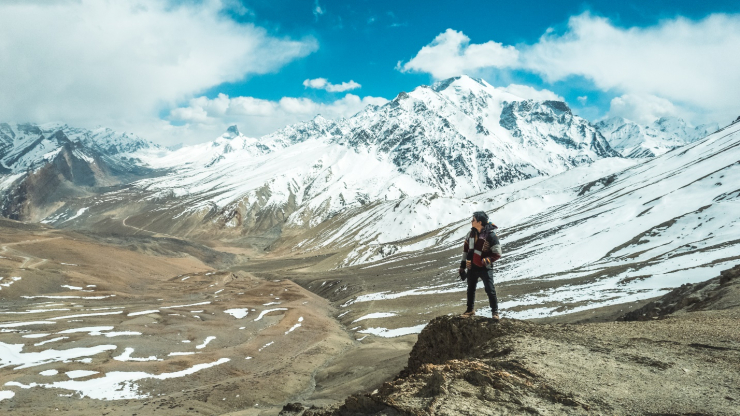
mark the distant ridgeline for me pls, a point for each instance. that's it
(42, 167)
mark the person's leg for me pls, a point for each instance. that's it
(472, 283)
(490, 291)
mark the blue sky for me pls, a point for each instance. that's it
(181, 71)
(363, 40)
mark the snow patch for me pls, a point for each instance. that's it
(237, 313)
(80, 373)
(117, 385)
(126, 356)
(300, 320)
(392, 333)
(266, 311)
(375, 315)
(207, 340)
(12, 355)
(143, 312)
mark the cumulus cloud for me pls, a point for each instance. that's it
(692, 64)
(529, 93)
(323, 84)
(451, 54)
(686, 61)
(643, 109)
(256, 117)
(112, 62)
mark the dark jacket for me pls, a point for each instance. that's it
(483, 248)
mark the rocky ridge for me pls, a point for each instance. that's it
(722, 292)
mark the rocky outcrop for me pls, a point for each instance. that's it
(477, 366)
(459, 366)
(722, 292)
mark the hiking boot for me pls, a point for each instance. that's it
(496, 317)
(469, 312)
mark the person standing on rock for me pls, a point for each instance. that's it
(480, 250)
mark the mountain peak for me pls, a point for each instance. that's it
(669, 120)
(233, 131)
(558, 106)
(464, 81)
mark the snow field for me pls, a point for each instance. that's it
(661, 223)
(116, 385)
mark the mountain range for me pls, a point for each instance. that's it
(456, 138)
(664, 134)
(44, 166)
(357, 187)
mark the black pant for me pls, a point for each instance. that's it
(487, 276)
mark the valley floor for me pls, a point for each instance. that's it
(132, 324)
(122, 324)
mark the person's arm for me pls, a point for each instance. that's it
(495, 247)
(464, 261)
(467, 253)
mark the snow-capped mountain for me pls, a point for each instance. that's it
(463, 136)
(664, 134)
(457, 138)
(41, 165)
(28, 146)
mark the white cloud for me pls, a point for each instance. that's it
(317, 10)
(693, 64)
(451, 54)
(114, 62)
(323, 84)
(256, 117)
(529, 93)
(642, 109)
(583, 99)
